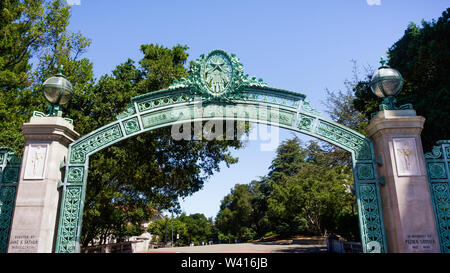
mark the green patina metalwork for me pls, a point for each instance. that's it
(390, 103)
(217, 89)
(9, 176)
(40, 114)
(438, 169)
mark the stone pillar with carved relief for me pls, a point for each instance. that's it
(406, 200)
(36, 208)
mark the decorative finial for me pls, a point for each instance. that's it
(383, 61)
(61, 69)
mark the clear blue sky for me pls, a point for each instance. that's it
(303, 46)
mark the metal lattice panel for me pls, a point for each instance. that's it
(438, 169)
(9, 176)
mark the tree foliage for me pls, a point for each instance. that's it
(194, 228)
(33, 39)
(307, 191)
(241, 214)
(314, 198)
(422, 56)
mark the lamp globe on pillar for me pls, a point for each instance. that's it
(386, 82)
(58, 91)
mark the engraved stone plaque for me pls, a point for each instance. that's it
(405, 152)
(35, 164)
(421, 242)
(23, 242)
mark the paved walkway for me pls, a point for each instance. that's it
(268, 247)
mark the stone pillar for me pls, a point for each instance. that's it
(406, 200)
(34, 221)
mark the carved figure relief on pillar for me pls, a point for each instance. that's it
(406, 160)
(35, 165)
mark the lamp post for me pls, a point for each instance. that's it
(58, 91)
(386, 83)
(47, 139)
(406, 201)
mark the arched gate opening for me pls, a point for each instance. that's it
(217, 89)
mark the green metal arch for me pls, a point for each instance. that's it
(249, 100)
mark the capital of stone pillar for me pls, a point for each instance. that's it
(406, 200)
(36, 207)
(49, 129)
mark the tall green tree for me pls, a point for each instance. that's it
(193, 228)
(288, 161)
(198, 227)
(422, 56)
(315, 198)
(33, 40)
(239, 213)
(161, 229)
(307, 191)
